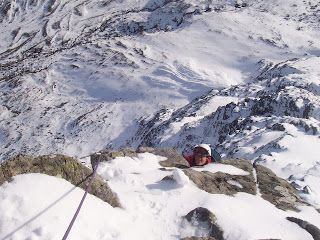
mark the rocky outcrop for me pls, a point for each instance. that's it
(310, 228)
(272, 188)
(238, 163)
(222, 183)
(277, 190)
(174, 158)
(58, 166)
(203, 217)
(108, 155)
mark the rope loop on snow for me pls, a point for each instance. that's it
(95, 167)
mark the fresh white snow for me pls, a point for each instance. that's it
(94, 96)
(37, 206)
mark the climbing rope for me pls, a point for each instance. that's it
(95, 167)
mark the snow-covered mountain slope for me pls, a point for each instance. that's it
(274, 120)
(79, 76)
(153, 207)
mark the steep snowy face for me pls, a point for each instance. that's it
(77, 76)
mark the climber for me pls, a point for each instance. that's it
(201, 155)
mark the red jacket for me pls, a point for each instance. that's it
(190, 160)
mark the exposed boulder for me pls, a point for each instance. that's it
(202, 216)
(174, 158)
(224, 183)
(277, 190)
(242, 164)
(58, 166)
(310, 228)
(108, 155)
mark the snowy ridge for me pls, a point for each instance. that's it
(279, 91)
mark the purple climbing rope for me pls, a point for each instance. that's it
(82, 200)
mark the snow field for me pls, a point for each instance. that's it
(36, 206)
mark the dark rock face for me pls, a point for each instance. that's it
(277, 190)
(204, 216)
(310, 228)
(277, 127)
(223, 183)
(61, 166)
(201, 214)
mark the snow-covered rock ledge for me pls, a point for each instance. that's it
(160, 197)
(227, 177)
(59, 166)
